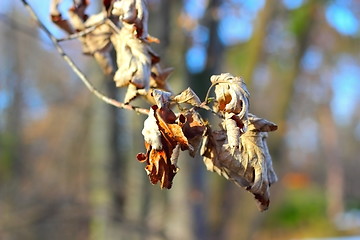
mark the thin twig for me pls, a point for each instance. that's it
(113, 26)
(81, 33)
(77, 70)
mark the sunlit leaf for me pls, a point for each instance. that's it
(248, 165)
(188, 96)
(161, 157)
(231, 94)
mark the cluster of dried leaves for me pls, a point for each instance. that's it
(236, 150)
(121, 25)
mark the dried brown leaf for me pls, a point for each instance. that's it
(161, 157)
(134, 12)
(151, 132)
(233, 132)
(107, 4)
(188, 96)
(175, 156)
(54, 7)
(249, 165)
(159, 77)
(255, 151)
(234, 126)
(160, 167)
(161, 98)
(56, 17)
(157, 81)
(77, 14)
(193, 125)
(172, 130)
(97, 42)
(77, 21)
(133, 59)
(80, 7)
(62, 23)
(210, 147)
(193, 128)
(260, 124)
(231, 94)
(99, 39)
(131, 93)
(125, 10)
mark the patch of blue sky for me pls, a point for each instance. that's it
(345, 3)
(4, 99)
(236, 24)
(340, 17)
(5, 6)
(345, 86)
(293, 4)
(195, 8)
(200, 35)
(41, 9)
(234, 29)
(195, 58)
(312, 60)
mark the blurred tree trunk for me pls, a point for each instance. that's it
(14, 123)
(255, 47)
(302, 26)
(197, 81)
(118, 153)
(101, 155)
(333, 163)
(330, 139)
(164, 20)
(176, 222)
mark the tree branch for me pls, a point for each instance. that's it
(241, 136)
(77, 70)
(81, 33)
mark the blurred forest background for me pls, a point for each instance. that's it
(67, 160)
